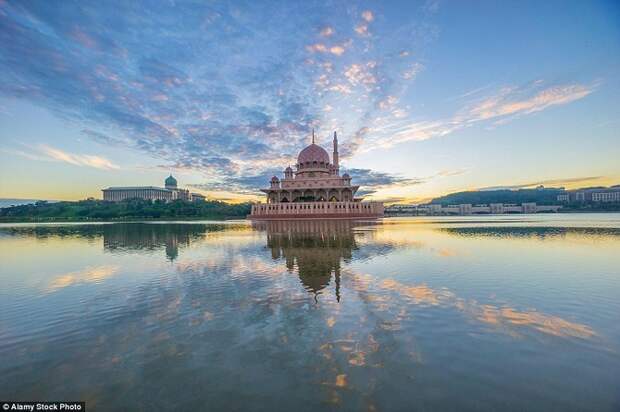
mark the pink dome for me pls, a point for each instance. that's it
(313, 153)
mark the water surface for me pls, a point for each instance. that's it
(461, 313)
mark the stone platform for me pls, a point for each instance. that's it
(316, 210)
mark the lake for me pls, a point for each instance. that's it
(479, 313)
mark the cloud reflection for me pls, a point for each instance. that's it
(94, 274)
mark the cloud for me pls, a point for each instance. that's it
(369, 180)
(337, 50)
(44, 153)
(229, 91)
(327, 31)
(571, 181)
(374, 179)
(97, 162)
(388, 102)
(412, 71)
(503, 106)
(508, 101)
(362, 30)
(361, 74)
(450, 173)
(228, 94)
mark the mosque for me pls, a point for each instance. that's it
(314, 190)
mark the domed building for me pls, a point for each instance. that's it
(170, 183)
(168, 193)
(314, 189)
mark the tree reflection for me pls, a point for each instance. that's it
(144, 236)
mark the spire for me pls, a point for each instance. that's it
(335, 155)
(313, 135)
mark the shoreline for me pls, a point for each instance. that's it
(229, 218)
(127, 220)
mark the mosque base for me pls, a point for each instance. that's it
(316, 210)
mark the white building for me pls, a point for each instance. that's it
(168, 193)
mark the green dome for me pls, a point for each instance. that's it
(171, 181)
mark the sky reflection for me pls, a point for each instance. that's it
(355, 315)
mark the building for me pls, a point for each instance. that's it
(591, 195)
(469, 209)
(314, 190)
(168, 193)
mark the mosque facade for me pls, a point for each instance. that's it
(315, 189)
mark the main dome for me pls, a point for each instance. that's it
(170, 181)
(313, 153)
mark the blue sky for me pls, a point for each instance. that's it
(427, 97)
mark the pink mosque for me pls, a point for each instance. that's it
(315, 190)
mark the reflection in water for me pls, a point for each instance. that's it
(125, 237)
(138, 236)
(335, 314)
(88, 275)
(504, 317)
(314, 248)
(534, 232)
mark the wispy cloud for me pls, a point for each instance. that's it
(413, 71)
(512, 101)
(49, 154)
(368, 16)
(327, 31)
(570, 181)
(97, 162)
(505, 105)
(362, 27)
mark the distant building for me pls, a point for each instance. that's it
(564, 198)
(592, 195)
(168, 193)
(611, 196)
(468, 209)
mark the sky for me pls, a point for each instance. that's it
(427, 97)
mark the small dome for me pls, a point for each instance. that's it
(275, 179)
(170, 181)
(346, 176)
(288, 169)
(313, 153)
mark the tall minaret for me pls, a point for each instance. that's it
(335, 155)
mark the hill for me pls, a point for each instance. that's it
(542, 196)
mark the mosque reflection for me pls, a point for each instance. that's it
(315, 249)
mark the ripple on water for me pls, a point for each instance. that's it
(481, 314)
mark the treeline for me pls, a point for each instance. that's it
(125, 210)
(541, 196)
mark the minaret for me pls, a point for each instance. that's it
(335, 155)
(313, 135)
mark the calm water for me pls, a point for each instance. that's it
(478, 313)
